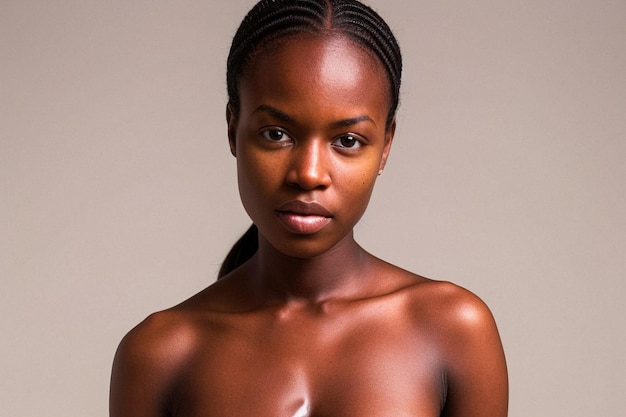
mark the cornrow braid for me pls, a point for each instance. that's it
(271, 20)
(365, 27)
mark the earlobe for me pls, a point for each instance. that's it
(231, 121)
(387, 147)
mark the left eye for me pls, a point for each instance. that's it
(347, 141)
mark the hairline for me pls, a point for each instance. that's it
(324, 32)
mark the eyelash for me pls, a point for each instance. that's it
(267, 132)
(357, 142)
(286, 139)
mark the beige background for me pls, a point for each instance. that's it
(118, 194)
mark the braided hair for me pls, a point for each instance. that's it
(273, 20)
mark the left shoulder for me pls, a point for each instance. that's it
(462, 333)
(468, 341)
(455, 315)
(462, 311)
(442, 300)
(447, 309)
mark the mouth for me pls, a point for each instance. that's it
(303, 218)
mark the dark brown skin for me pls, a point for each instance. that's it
(313, 325)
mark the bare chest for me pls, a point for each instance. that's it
(302, 371)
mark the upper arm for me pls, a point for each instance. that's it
(144, 367)
(476, 372)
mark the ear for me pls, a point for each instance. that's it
(391, 131)
(231, 120)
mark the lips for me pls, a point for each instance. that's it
(303, 218)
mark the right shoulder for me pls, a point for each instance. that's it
(147, 361)
(163, 338)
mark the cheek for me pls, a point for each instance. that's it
(257, 173)
(249, 162)
(359, 191)
(368, 172)
(247, 175)
(357, 178)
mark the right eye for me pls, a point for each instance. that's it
(276, 135)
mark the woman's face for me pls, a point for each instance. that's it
(310, 139)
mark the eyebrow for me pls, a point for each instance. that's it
(353, 121)
(274, 112)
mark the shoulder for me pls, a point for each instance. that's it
(466, 337)
(440, 304)
(456, 305)
(454, 313)
(429, 296)
(453, 317)
(165, 333)
(165, 339)
(447, 309)
(147, 363)
(157, 346)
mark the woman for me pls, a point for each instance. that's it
(303, 321)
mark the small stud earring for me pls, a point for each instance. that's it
(380, 172)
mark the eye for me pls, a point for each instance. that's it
(348, 141)
(276, 135)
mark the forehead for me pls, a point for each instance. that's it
(330, 39)
(317, 65)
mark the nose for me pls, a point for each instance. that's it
(309, 167)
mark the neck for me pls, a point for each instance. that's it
(334, 274)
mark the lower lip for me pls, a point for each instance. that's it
(302, 224)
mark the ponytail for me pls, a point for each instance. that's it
(241, 251)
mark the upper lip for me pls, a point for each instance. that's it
(304, 208)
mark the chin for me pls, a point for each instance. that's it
(301, 248)
(304, 246)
